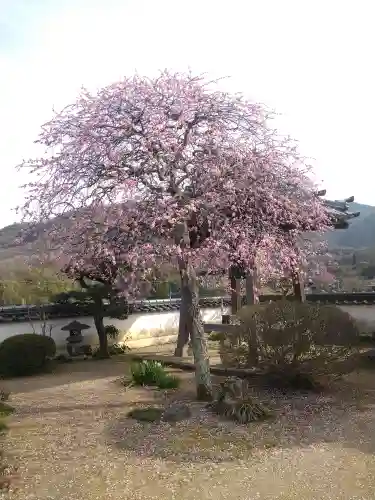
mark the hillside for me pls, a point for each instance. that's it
(11, 249)
(360, 234)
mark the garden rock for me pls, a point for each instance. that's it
(176, 413)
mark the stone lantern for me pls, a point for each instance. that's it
(75, 340)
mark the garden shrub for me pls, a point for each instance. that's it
(50, 346)
(152, 373)
(367, 338)
(118, 349)
(113, 350)
(112, 331)
(290, 340)
(26, 354)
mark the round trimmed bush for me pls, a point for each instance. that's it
(50, 346)
(25, 354)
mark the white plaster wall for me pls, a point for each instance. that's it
(365, 316)
(139, 330)
(147, 329)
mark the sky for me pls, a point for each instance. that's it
(311, 61)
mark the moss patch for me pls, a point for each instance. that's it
(146, 414)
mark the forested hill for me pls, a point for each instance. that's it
(360, 234)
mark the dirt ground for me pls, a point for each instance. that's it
(70, 439)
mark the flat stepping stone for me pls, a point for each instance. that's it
(176, 413)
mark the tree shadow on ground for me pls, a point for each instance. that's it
(67, 373)
(126, 405)
(342, 417)
(89, 407)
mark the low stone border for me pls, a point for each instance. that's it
(173, 362)
(189, 366)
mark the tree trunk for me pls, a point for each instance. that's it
(251, 299)
(298, 286)
(183, 326)
(235, 285)
(191, 322)
(103, 340)
(194, 324)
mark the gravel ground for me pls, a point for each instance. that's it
(70, 440)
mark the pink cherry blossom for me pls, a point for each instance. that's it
(126, 157)
(128, 167)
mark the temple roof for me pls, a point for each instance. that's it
(339, 210)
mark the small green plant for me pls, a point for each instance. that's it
(5, 409)
(152, 373)
(147, 372)
(216, 336)
(112, 332)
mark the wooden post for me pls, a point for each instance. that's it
(251, 299)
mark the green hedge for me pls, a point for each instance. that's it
(25, 354)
